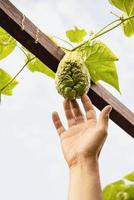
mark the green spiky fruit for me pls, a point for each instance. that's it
(72, 77)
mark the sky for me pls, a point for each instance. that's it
(31, 161)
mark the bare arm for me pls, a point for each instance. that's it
(81, 144)
(84, 181)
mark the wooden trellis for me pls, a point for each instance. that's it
(24, 31)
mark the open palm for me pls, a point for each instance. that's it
(85, 135)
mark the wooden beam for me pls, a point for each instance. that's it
(11, 20)
(120, 114)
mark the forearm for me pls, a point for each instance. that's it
(85, 181)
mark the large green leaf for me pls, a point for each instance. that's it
(130, 176)
(4, 79)
(7, 44)
(100, 63)
(85, 50)
(110, 191)
(125, 192)
(37, 66)
(128, 191)
(118, 4)
(128, 27)
(127, 6)
(120, 190)
(76, 35)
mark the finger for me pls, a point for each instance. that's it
(69, 114)
(104, 116)
(79, 117)
(90, 112)
(57, 123)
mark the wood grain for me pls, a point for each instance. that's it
(45, 49)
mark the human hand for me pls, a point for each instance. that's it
(85, 135)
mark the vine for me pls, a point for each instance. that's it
(104, 70)
(92, 54)
(100, 33)
(5, 86)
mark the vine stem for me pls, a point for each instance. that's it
(98, 35)
(8, 83)
(115, 14)
(23, 51)
(63, 40)
(102, 32)
(107, 26)
(64, 48)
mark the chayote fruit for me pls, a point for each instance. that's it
(72, 78)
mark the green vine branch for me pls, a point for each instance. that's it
(115, 14)
(63, 40)
(8, 83)
(100, 34)
(103, 31)
(104, 28)
(20, 47)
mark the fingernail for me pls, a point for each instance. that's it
(109, 110)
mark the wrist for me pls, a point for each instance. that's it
(82, 161)
(84, 179)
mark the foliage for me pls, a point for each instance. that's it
(76, 35)
(7, 44)
(98, 57)
(37, 66)
(4, 79)
(99, 60)
(120, 190)
(130, 176)
(127, 6)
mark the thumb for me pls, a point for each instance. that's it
(104, 116)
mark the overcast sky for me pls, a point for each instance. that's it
(31, 163)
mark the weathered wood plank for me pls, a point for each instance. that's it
(11, 20)
(50, 54)
(120, 114)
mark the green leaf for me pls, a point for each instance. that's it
(127, 6)
(37, 66)
(129, 190)
(110, 191)
(118, 3)
(119, 190)
(128, 27)
(100, 63)
(4, 79)
(126, 192)
(76, 35)
(84, 50)
(130, 176)
(7, 44)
